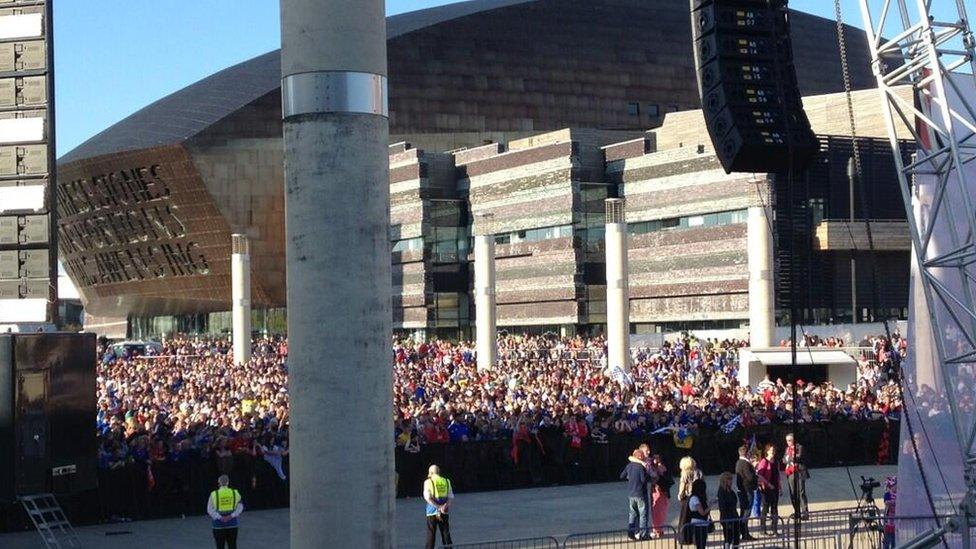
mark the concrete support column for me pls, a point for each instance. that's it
(762, 315)
(618, 296)
(240, 276)
(485, 310)
(336, 135)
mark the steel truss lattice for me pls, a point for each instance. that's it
(943, 231)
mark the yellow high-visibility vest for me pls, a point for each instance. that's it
(441, 487)
(226, 500)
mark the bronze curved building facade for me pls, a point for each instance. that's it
(146, 208)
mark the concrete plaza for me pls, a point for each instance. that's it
(557, 511)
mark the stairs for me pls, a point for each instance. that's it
(49, 520)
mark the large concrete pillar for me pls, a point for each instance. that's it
(484, 292)
(618, 296)
(240, 275)
(762, 316)
(336, 133)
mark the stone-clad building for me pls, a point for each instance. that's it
(428, 233)
(687, 221)
(481, 96)
(546, 195)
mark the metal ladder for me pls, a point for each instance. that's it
(49, 520)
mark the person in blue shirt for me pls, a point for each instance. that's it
(635, 473)
(458, 430)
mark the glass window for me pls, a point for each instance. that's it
(718, 219)
(817, 209)
(408, 245)
(633, 108)
(535, 235)
(653, 110)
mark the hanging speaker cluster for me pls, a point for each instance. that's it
(747, 81)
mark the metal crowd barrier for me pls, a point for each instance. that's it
(524, 543)
(863, 529)
(828, 522)
(825, 541)
(716, 538)
(618, 538)
(835, 529)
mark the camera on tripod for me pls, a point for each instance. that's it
(865, 517)
(868, 485)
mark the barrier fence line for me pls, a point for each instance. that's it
(548, 459)
(619, 538)
(829, 521)
(174, 487)
(524, 543)
(729, 527)
(846, 531)
(852, 527)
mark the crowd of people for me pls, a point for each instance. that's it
(750, 489)
(441, 396)
(748, 492)
(186, 402)
(163, 411)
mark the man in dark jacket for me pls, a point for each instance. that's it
(636, 475)
(746, 485)
(796, 475)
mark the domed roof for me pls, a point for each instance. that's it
(186, 112)
(504, 65)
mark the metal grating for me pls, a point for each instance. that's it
(616, 210)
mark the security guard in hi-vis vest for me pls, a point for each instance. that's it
(225, 507)
(438, 494)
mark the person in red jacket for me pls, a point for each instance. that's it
(769, 486)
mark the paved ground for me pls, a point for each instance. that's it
(558, 511)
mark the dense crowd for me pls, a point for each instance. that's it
(440, 396)
(190, 395)
(162, 410)
(187, 401)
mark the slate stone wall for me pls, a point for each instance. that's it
(686, 274)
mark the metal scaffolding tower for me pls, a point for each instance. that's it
(939, 115)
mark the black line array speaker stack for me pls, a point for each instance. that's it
(47, 409)
(747, 81)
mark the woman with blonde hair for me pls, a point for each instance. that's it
(689, 474)
(728, 511)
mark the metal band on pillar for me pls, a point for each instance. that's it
(618, 298)
(484, 289)
(334, 92)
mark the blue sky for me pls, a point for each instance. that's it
(113, 57)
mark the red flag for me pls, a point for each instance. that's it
(150, 478)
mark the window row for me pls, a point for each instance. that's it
(653, 110)
(457, 242)
(708, 220)
(534, 235)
